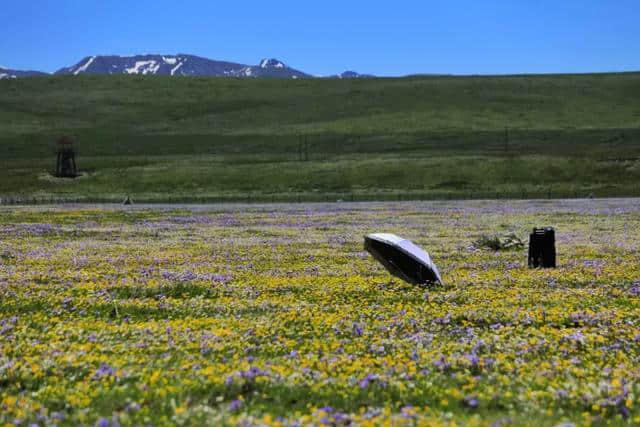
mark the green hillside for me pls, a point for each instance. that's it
(162, 138)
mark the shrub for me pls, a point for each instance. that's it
(499, 243)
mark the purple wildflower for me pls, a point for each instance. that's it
(488, 362)
(624, 411)
(473, 360)
(577, 336)
(443, 320)
(228, 221)
(442, 363)
(340, 418)
(367, 380)
(406, 412)
(191, 220)
(479, 346)
(253, 372)
(103, 371)
(38, 229)
(204, 348)
(357, 329)
(372, 413)
(377, 349)
(235, 405)
(471, 401)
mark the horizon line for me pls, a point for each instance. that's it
(414, 74)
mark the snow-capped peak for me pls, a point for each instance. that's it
(271, 63)
(178, 65)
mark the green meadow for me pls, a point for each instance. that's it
(424, 137)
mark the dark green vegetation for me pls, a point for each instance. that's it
(196, 139)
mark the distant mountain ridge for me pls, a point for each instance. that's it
(176, 65)
(352, 75)
(180, 65)
(7, 73)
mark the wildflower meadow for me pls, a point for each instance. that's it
(275, 315)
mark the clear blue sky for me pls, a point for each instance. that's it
(326, 37)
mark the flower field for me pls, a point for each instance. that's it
(274, 315)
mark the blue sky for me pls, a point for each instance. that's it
(326, 37)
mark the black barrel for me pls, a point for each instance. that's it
(542, 248)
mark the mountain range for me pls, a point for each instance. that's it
(176, 65)
(6, 73)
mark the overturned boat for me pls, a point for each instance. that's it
(402, 258)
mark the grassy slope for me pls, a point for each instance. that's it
(156, 137)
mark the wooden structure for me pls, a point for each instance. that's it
(66, 160)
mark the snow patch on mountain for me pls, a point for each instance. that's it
(176, 68)
(85, 66)
(271, 63)
(170, 61)
(7, 73)
(144, 67)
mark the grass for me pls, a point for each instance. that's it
(160, 138)
(274, 315)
